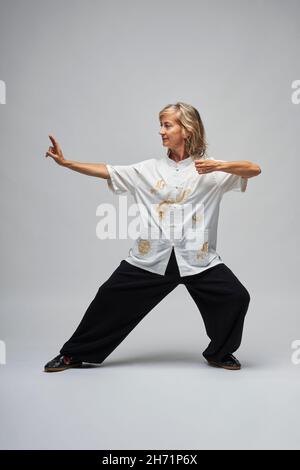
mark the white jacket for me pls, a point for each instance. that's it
(178, 208)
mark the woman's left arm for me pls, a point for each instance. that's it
(242, 168)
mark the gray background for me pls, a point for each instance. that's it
(95, 74)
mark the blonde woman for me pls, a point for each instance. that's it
(181, 194)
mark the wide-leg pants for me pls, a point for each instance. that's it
(131, 292)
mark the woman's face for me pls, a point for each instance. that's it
(171, 132)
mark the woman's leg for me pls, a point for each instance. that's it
(119, 305)
(223, 303)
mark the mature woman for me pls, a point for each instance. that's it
(180, 195)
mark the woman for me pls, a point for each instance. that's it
(179, 195)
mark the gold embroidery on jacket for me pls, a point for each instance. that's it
(180, 198)
(196, 218)
(162, 206)
(183, 195)
(203, 251)
(160, 184)
(143, 246)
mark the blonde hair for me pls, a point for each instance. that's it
(189, 118)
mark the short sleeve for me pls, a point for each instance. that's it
(122, 178)
(229, 182)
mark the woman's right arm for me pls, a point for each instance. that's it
(91, 169)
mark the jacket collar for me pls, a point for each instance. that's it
(182, 163)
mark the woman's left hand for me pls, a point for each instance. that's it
(206, 166)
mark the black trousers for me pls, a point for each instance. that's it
(131, 292)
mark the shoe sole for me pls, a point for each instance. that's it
(56, 369)
(216, 364)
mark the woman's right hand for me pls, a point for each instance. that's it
(55, 152)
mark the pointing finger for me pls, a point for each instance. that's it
(55, 144)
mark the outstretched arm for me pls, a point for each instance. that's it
(90, 169)
(241, 167)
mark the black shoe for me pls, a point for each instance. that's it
(227, 362)
(61, 362)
